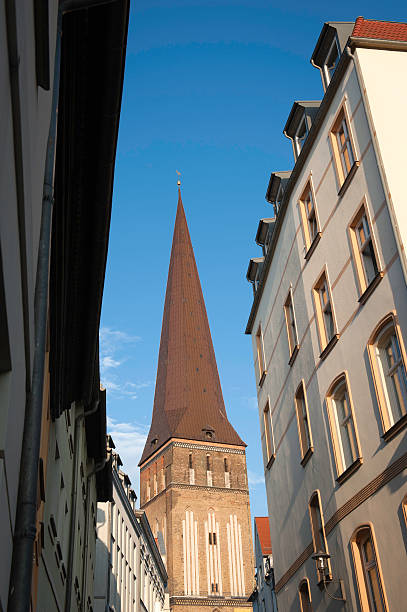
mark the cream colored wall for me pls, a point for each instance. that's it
(35, 114)
(382, 73)
(118, 532)
(289, 485)
(52, 583)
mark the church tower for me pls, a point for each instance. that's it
(193, 476)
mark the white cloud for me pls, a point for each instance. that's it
(255, 479)
(109, 362)
(111, 340)
(113, 346)
(129, 439)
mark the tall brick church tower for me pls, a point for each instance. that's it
(193, 483)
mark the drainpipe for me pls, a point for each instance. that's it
(97, 468)
(74, 497)
(26, 513)
(25, 526)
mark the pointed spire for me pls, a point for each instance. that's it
(188, 401)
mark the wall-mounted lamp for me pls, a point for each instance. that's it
(321, 557)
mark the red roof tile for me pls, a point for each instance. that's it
(263, 529)
(188, 397)
(383, 30)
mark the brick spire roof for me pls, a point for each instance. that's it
(188, 401)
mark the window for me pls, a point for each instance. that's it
(364, 251)
(367, 569)
(227, 472)
(387, 360)
(304, 593)
(155, 482)
(191, 470)
(268, 434)
(300, 136)
(342, 425)
(261, 364)
(304, 430)
(317, 527)
(342, 146)
(324, 311)
(291, 326)
(208, 471)
(331, 62)
(309, 218)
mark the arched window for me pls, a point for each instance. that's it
(367, 568)
(318, 528)
(304, 593)
(387, 359)
(342, 425)
(303, 423)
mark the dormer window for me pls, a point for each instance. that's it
(300, 135)
(331, 61)
(275, 190)
(329, 48)
(254, 272)
(299, 123)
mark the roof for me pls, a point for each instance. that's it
(382, 30)
(188, 397)
(263, 530)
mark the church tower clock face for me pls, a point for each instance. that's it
(193, 476)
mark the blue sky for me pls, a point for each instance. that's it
(208, 87)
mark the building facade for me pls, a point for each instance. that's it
(329, 326)
(193, 477)
(60, 104)
(130, 574)
(263, 596)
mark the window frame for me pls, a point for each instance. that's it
(342, 472)
(291, 326)
(325, 343)
(305, 583)
(309, 243)
(343, 177)
(360, 571)
(299, 142)
(327, 75)
(261, 358)
(305, 452)
(269, 442)
(316, 495)
(388, 430)
(365, 288)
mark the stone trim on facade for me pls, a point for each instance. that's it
(356, 500)
(213, 602)
(223, 449)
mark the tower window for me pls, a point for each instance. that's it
(208, 471)
(191, 470)
(227, 473)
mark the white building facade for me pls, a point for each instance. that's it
(130, 573)
(329, 327)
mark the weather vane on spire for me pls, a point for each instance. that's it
(179, 179)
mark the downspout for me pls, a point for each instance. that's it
(25, 526)
(74, 497)
(97, 468)
(26, 513)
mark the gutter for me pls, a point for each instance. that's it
(26, 513)
(292, 181)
